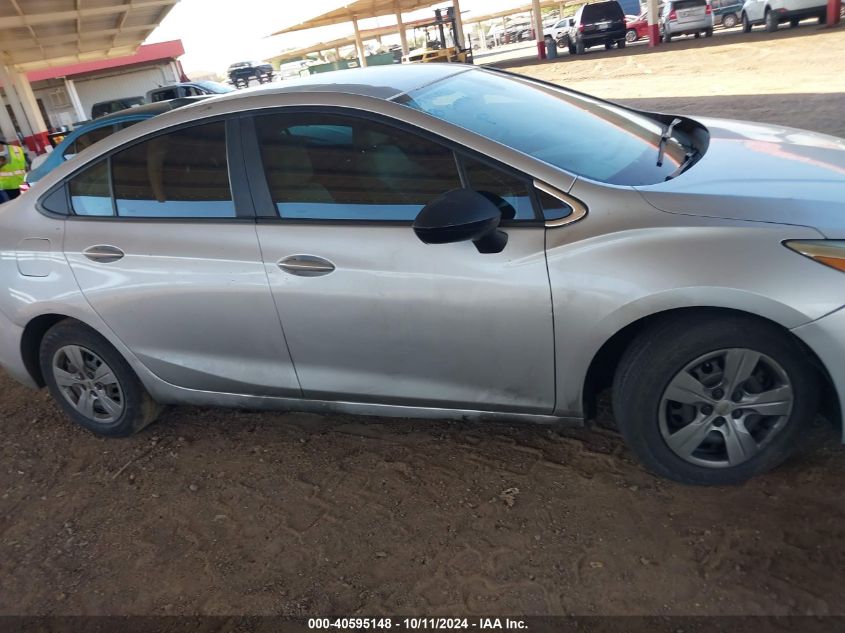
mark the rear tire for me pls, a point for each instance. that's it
(620, 44)
(708, 33)
(666, 393)
(667, 37)
(608, 46)
(102, 395)
(579, 47)
(793, 23)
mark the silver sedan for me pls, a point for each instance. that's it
(442, 241)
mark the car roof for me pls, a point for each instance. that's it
(382, 82)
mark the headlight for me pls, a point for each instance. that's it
(828, 252)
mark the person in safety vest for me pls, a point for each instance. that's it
(12, 171)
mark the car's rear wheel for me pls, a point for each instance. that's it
(713, 400)
(771, 22)
(793, 23)
(746, 24)
(631, 35)
(572, 49)
(608, 46)
(729, 20)
(92, 382)
(708, 33)
(620, 43)
(667, 36)
(579, 47)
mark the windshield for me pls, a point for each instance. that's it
(573, 132)
(216, 88)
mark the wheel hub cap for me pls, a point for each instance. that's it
(724, 407)
(88, 384)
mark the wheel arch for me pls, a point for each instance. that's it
(603, 365)
(33, 334)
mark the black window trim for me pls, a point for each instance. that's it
(261, 189)
(238, 183)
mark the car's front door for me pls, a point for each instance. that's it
(167, 257)
(369, 312)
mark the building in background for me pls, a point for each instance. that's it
(66, 94)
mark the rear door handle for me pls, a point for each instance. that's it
(103, 253)
(306, 266)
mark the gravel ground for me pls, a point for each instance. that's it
(222, 512)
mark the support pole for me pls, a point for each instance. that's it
(459, 24)
(359, 44)
(833, 12)
(537, 14)
(10, 134)
(75, 101)
(403, 35)
(653, 27)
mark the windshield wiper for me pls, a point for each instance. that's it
(664, 138)
(689, 159)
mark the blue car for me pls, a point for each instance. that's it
(88, 134)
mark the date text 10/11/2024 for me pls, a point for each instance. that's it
(415, 624)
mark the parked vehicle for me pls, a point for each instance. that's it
(115, 105)
(187, 89)
(686, 17)
(596, 24)
(773, 13)
(556, 31)
(241, 73)
(726, 12)
(470, 259)
(636, 27)
(86, 135)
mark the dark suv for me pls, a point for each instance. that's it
(595, 24)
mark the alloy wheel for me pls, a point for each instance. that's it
(724, 407)
(88, 384)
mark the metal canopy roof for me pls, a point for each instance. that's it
(544, 4)
(359, 10)
(36, 34)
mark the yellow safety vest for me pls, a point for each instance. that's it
(12, 174)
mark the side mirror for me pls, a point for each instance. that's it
(571, 21)
(462, 215)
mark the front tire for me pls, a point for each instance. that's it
(631, 35)
(771, 22)
(746, 24)
(92, 383)
(729, 21)
(620, 44)
(724, 401)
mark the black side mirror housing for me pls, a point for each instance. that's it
(462, 215)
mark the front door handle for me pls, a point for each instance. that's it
(306, 266)
(103, 253)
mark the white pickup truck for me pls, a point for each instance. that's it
(556, 30)
(774, 12)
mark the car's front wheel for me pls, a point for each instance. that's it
(92, 382)
(746, 24)
(631, 35)
(729, 20)
(771, 22)
(713, 400)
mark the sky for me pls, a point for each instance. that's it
(217, 33)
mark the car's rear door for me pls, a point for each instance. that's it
(162, 242)
(370, 313)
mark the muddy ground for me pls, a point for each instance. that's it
(221, 512)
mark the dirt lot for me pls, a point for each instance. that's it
(221, 512)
